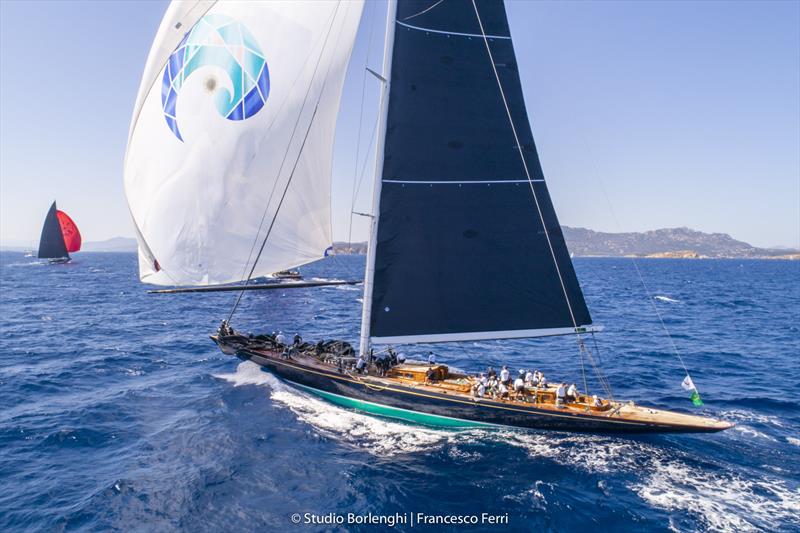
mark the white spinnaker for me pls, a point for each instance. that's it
(200, 204)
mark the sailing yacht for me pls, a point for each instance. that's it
(60, 237)
(228, 171)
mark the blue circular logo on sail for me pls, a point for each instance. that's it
(220, 41)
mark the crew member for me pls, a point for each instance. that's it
(431, 358)
(360, 364)
(503, 390)
(480, 387)
(561, 392)
(505, 376)
(519, 387)
(529, 379)
(572, 393)
(280, 338)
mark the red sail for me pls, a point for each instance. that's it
(72, 237)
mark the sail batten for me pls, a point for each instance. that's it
(485, 335)
(468, 245)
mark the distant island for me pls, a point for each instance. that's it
(114, 244)
(669, 243)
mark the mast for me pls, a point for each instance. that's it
(369, 275)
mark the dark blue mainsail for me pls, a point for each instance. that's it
(51, 243)
(461, 252)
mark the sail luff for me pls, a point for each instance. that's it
(369, 275)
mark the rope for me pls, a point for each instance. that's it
(583, 372)
(581, 346)
(297, 160)
(636, 265)
(367, 385)
(358, 138)
(424, 10)
(291, 138)
(525, 166)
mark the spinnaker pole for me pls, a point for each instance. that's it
(369, 275)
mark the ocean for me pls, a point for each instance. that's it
(119, 413)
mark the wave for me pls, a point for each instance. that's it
(742, 415)
(724, 501)
(666, 299)
(721, 500)
(376, 435)
(662, 476)
(76, 438)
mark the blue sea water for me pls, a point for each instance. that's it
(119, 413)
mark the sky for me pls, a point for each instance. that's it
(646, 114)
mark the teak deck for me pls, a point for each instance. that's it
(412, 379)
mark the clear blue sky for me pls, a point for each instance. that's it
(688, 113)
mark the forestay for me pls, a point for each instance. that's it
(461, 251)
(233, 127)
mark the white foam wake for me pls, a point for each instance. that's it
(725, 501)
(375, 435)
(666, 299)
(722, 500)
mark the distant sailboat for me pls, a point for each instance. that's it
(465, 244)
(60, 237)
(287, 274)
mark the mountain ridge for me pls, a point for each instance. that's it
(679, 242)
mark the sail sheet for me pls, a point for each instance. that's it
(51, 243)
(461, 250)
(233, 129)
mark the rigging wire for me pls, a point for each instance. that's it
(581, 345)
(424, 10)
(634, 262)
(299, 153)
(286, 153)
(366, 158)
(358, 139)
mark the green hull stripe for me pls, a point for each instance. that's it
(394, 412)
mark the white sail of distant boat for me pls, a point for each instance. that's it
(232, 138)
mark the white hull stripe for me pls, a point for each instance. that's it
(451, 182)
(452, 32)
(484, 335)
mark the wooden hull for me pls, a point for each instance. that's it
(456, 410)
